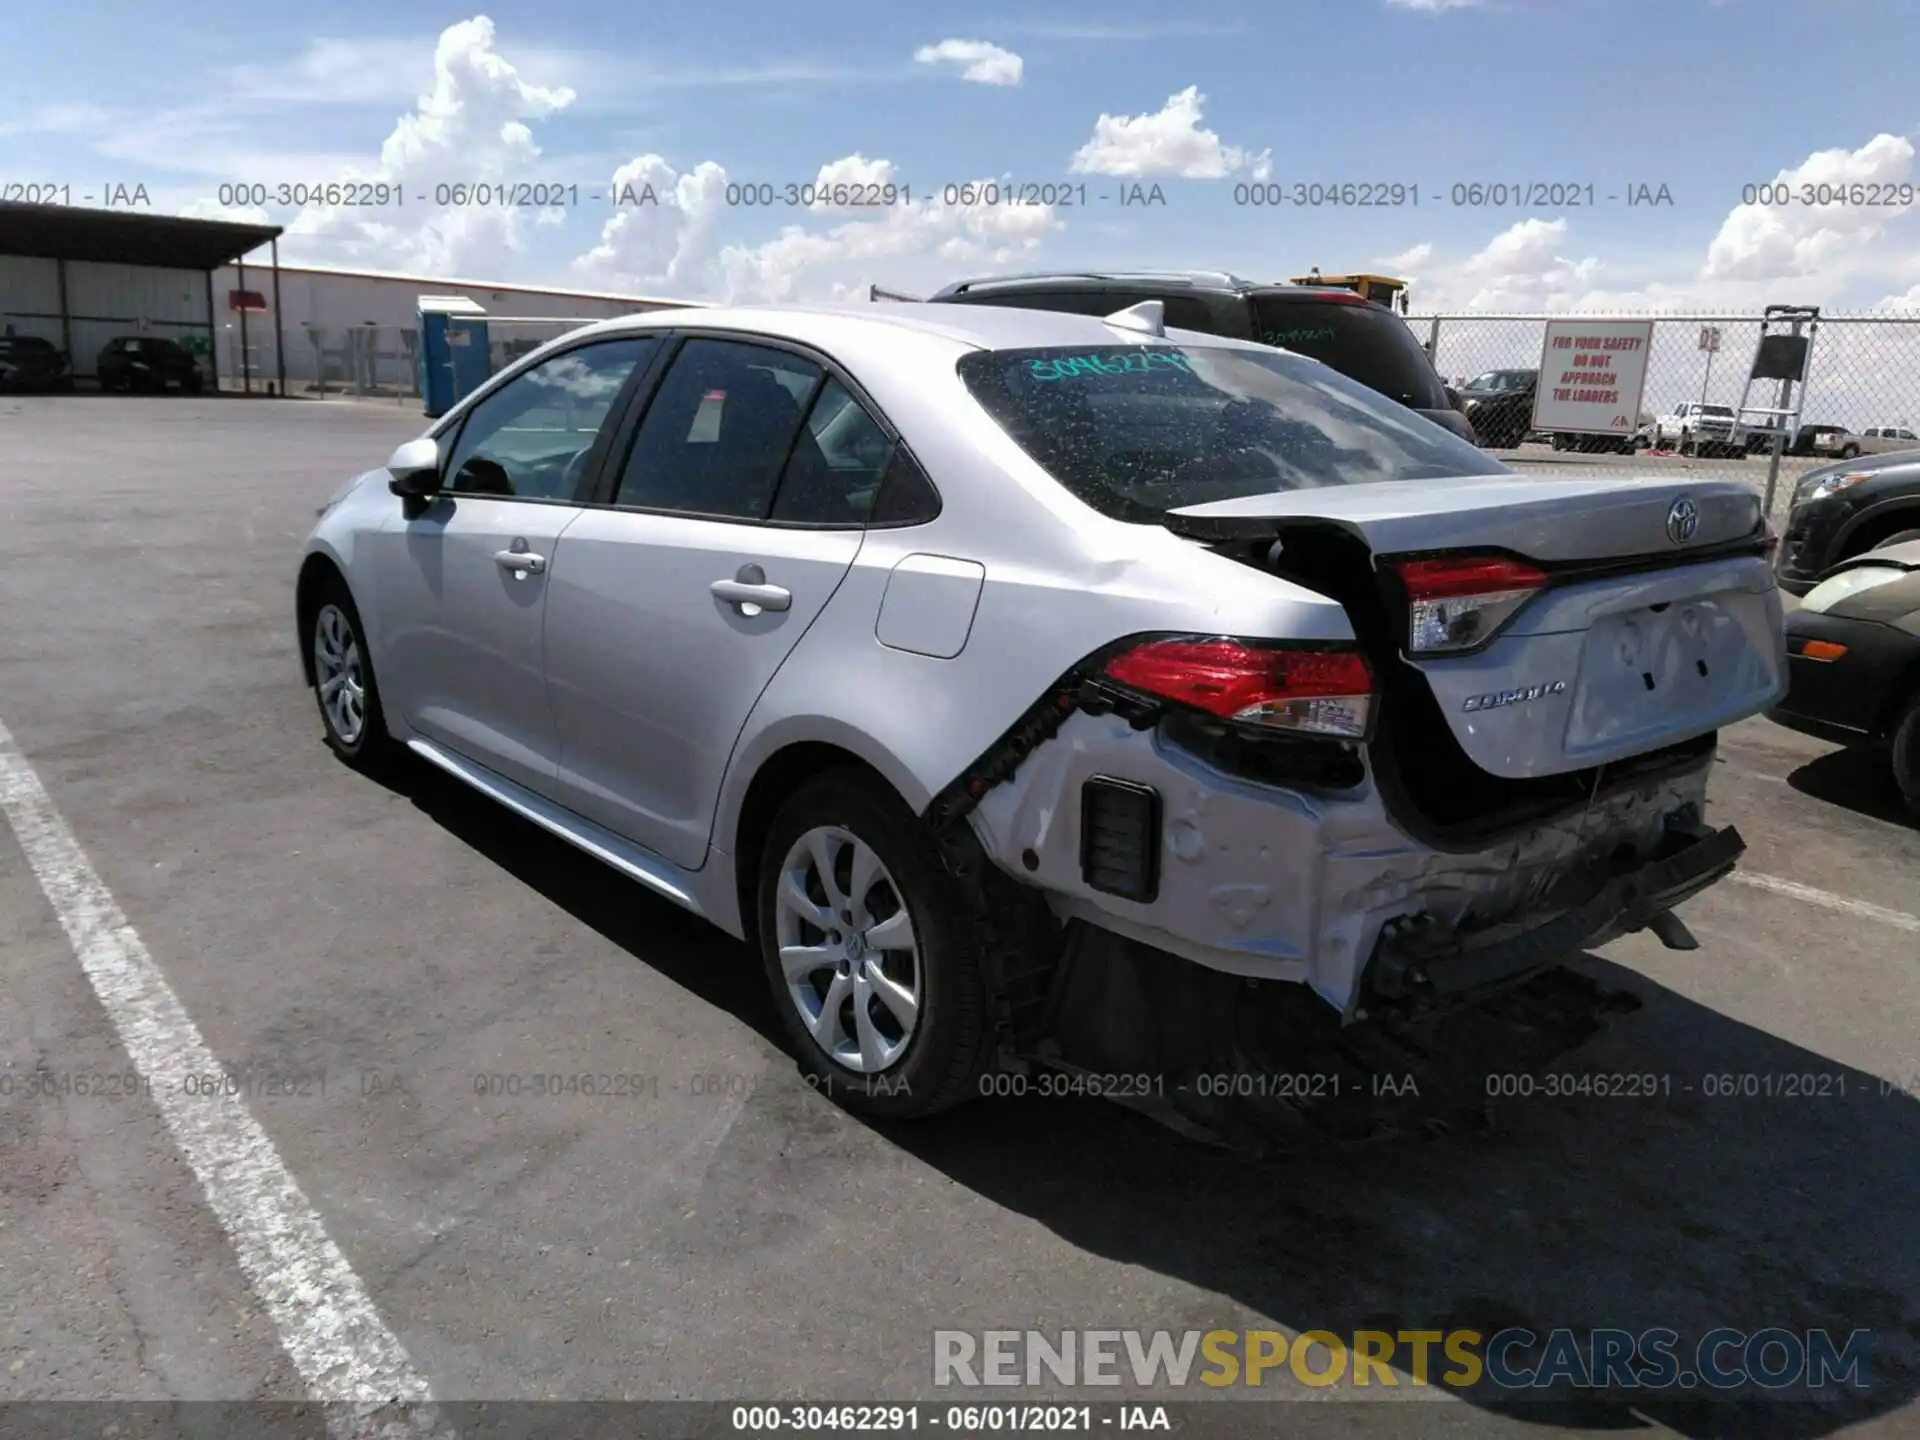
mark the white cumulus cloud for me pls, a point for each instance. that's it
(1801, 239)
(977, 60)
(671, 244)
(469, 128)
(1169, 141)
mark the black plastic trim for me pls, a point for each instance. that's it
(1403, 970)
(1145, 888)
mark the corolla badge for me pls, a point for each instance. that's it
(1499, 699)
(1683, 519)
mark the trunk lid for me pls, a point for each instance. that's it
(1658, 619)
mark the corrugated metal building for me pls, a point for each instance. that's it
(356, 330)
(80, 277)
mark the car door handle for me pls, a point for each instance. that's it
(521, 562)
(749, 587)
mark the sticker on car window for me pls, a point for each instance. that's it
(1131, 362)
(1315, 336)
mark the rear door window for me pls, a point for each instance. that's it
(719, 430)
(1371, 344)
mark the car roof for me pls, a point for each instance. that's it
(978, 327)
(1185, 282)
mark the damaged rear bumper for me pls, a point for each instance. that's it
(1269, 882)
(1407, 968)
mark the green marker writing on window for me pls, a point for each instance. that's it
(1129, 362)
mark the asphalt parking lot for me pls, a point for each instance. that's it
(371, 959)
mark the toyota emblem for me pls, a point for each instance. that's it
(1682, 520)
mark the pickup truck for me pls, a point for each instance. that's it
(1695, 429)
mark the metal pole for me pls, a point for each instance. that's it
(1433, 340)
(279, 333)
(66, 319)
(1709, 375)
(246, 363)
(1773, 465)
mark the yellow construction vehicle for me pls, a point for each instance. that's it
(1381, 289)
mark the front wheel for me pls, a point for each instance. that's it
(343, 684)
(1849, 452)
(1906, 756)
(869, 945)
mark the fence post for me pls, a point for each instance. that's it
(1433, 341)
(1779, 440)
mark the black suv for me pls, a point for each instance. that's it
(146, 362)
(1361, 339)
(29, 363)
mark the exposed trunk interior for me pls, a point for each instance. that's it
(1428, 782)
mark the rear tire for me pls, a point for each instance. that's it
(344, 687)
(890, 1018)
(1906, 756)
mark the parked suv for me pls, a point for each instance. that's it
(1499, 406)
(29, 363)
(146, 362)
(1887, 439)
(1340, 328)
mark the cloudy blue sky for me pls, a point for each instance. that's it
(1202, 99)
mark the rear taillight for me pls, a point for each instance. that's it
(1459, 602)
(1309, 692)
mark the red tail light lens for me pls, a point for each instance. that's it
(1315, 692)
(1458, 602)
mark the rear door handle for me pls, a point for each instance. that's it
(749, 587)
(520, 562)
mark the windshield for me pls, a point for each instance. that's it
(1372, 345)
(1498, 380)
(1140, 431)
(1717, 412)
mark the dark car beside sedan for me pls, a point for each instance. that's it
(1845, 509)
(29, 363)
(147, 362)
(1853, 657)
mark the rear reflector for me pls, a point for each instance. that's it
(1459, 602)
(1821, 650)
(1314, 692)
(1120, 838)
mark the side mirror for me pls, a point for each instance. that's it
(415, 470)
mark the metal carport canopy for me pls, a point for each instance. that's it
(64, 233)
(126, 237)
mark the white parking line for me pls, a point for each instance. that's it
(325, 1319)
(1827, 900)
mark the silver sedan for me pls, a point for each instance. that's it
(1004, 676)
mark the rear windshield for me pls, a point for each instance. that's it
(1498, 380)
(1371, 344)
(1717, 412)
(23, 343)
(1139, 431)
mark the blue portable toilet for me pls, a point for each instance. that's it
(453, 351)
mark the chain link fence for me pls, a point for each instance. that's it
(361, 362)
(1860, 395)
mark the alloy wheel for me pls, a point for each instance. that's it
(338, 674)
(848, 952)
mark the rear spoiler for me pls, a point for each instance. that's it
(875, 293)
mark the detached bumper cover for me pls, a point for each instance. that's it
(1407, 966)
